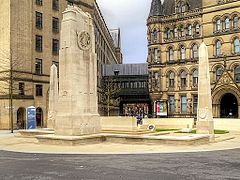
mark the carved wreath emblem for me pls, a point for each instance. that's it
(203, 113)
(84, 40)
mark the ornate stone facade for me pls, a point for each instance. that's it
(174, 36)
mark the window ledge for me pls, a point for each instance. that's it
(236, 54)
(218, 56)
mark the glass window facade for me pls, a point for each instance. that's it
(38, 45)
(219, 72)
(21, 88)
(237, 74)
(39, 20)
(236, 44)
(218, 48)
(38, 66)
(183, 77)
(195, 104)
(39, 90)
(171, 104)
(195, 78)
(171, 79)
(183, 104)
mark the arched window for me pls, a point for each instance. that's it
(237, 74)
(195, 78)
(171, 79)
(175, 32)
(182, 31)
(235, 22)
(183, 77)
(218, 25)
(197, 29)
(155, 35)
(155, 54)
(189, 30)
(168, 34)
(227, 23)
(183, 7)
(194, 51)
(182, 53)
(218, 46)
(236, 44)
(219, 72)
(183, 104)
(179, 8)
(170, 54)
(156, 80)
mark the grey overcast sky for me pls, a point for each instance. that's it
(130, 16)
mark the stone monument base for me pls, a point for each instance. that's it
(35, 132)
(124, 131)
(77, 125)
(195, 139)
(205, 127)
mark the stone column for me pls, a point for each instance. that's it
(154, 108)
(205, 123)
(53, 96)
(177, 110)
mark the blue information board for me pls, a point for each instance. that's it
(31, 118)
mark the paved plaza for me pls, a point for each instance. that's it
(14, 142)
(89, 109)
(23, 159)
(217, 165)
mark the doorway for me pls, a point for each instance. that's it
(229, 106)
(21, 122)
(39, 117)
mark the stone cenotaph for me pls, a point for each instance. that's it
(76, 105)
(205, 124)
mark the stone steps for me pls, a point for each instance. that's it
(35, 132)
(135, 131)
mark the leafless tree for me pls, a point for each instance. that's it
(110, 93)
(10, 74)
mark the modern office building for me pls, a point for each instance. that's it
(127, 85)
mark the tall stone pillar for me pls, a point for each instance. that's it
(177, 101)
(77, 106)
(154, 108)
(53, 96)
(205, 123)
(177, 106)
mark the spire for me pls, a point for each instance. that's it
(156, 8)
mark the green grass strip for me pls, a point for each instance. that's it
(216, 131)
(162, 130)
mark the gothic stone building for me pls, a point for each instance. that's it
(176, 29)
(29, 36)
